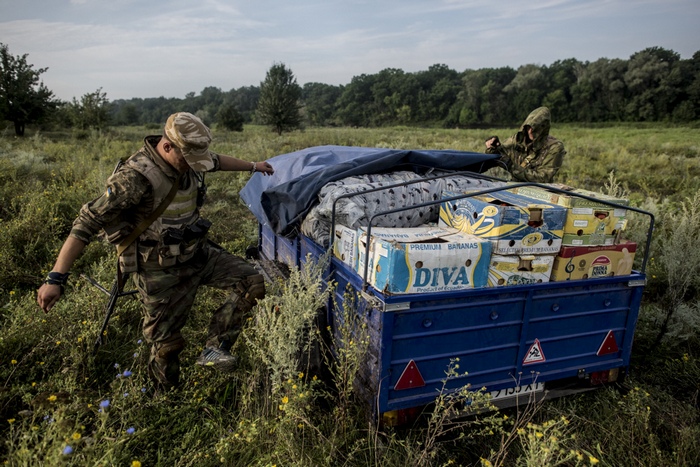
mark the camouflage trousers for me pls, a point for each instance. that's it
(168, 294)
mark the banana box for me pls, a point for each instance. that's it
(519, 269)
(515, 224)
(588, 222)
(422, 259)
(345, 245)
(584, 262)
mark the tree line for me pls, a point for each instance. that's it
(653, 85)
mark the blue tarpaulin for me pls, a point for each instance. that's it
(283, 199)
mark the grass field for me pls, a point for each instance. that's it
(60, 405)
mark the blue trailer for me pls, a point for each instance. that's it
(539, 340)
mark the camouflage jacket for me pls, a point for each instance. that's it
(538, 160)
(130, 197)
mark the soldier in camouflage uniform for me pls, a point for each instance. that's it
(531, 155)
(171, 258)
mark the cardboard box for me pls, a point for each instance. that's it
(588, 222)
(519, 269)
(345, 245)
(515, 224)
(423, 259)
(583, 262)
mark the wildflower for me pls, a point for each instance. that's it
(116, 365)
(11, 421)
(12, 292)
(130, 431)
(301, 375)
(143, 389)
(686, 357)
(136, 354)
(285, 399)
(104, 404)
(127, 373)
(593, 460)
(126, 394)
(76, 436)
(14, 362)
(58, 342)
(33, 383)
(135, 464)
(139, 341)
(52, 398)
(67, 451)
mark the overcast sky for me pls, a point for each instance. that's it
(153, 48)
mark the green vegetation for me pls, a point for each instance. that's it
(60, 405)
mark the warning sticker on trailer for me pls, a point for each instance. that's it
(534, 354)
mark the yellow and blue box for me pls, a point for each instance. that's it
(515, 224)
(519, 269)
(588, 222)
(423, 259)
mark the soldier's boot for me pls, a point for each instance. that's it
(219, 358)
(164, 363)
(217, 352)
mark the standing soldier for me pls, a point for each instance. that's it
(150, 211)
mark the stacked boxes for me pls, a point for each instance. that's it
(588, 222)
(525, 233)
(591, 245)
(423, 259)
(521, 236)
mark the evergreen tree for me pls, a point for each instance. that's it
(279, 105)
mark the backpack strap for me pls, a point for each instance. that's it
(143, 225)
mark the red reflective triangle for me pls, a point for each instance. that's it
(410, 378)
(609, 345)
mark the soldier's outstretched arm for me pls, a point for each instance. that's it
(49, 293)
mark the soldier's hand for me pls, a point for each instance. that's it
(47, 296)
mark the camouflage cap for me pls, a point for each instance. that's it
(192, 137)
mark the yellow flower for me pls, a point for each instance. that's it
(135, 464)
(14, 362)
(33, 383)
(10, 421)
(593, 460)
(301, 375)
(285, 399)
(52, 398)
(58, 342)
(76, 436)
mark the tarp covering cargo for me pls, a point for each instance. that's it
(282, 200)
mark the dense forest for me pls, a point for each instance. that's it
(653, 85)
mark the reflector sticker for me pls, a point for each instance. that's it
(410, 378)
(534, 354)
(609, 345)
